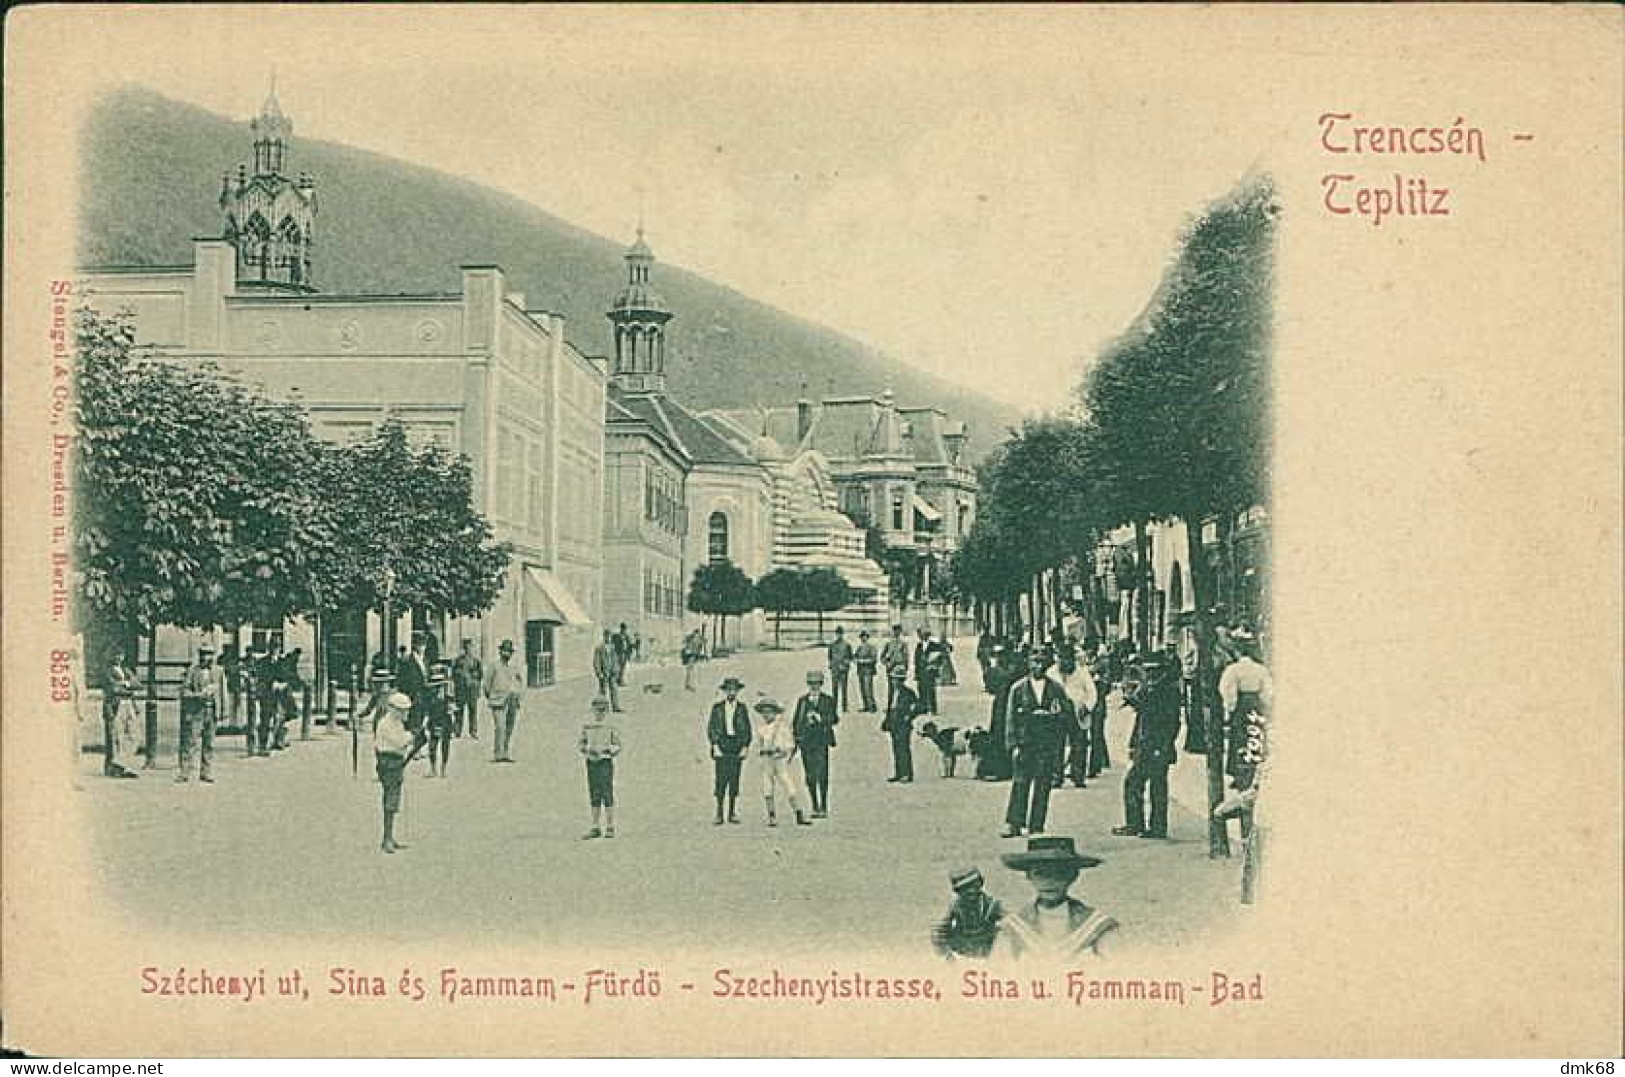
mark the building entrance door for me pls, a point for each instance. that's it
(539, 667)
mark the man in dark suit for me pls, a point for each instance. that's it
(1151, 748)
(728, 730)
(899, 723)
(814, 727)
(928, 656)
(412, 669)
(412, 679)
(840, 669)
(1038, 715)
(270, 680)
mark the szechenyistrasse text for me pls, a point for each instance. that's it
(452, 985)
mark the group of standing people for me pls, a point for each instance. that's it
(259, 692)
(809, 735)
(420, 705)
(609, 661)
(1048, 727)
(1076, 749)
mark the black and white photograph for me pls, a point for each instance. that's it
(610, 522)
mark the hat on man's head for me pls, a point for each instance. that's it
(965, 879)
(505, 645)
(398, 701)
(383, 673)
(1049, 852)
(768, 705)
(815, 676)
(731, 684)
(205, 648)
(439, 673)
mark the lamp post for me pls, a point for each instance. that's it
(386, 591)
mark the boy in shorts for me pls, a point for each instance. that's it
(393, 747)
(600, 744)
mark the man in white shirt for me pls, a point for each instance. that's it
(504, 683)
(1080, 689)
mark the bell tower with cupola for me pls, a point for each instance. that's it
(638, 319)
(269, 216)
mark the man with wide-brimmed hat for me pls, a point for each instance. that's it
(776, 745)
(728, 731)
(203, 693)
(504, 688)
(1055, 926)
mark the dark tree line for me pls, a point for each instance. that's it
(1173, 420)
(722, 590)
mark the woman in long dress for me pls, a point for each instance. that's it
(993, 762)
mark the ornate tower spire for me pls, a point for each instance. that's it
(638, 319)
(272, 130)
(270, 217)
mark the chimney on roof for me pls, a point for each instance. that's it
(954, 440)
(804, 415)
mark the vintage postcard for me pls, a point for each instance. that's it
(814, 530)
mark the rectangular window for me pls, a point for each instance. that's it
(537, 505)
(506, 463)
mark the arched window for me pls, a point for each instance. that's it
(717, 532)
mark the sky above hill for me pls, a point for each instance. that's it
(986, 195)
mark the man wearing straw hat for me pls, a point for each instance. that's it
(1055, 926)
(728, 731)
(776, 744)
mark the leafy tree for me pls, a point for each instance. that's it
(194, 505)
(825, 591)
(721, 590)
(781, 591)
(202, 503)
(411, 510)
(1182, 401)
